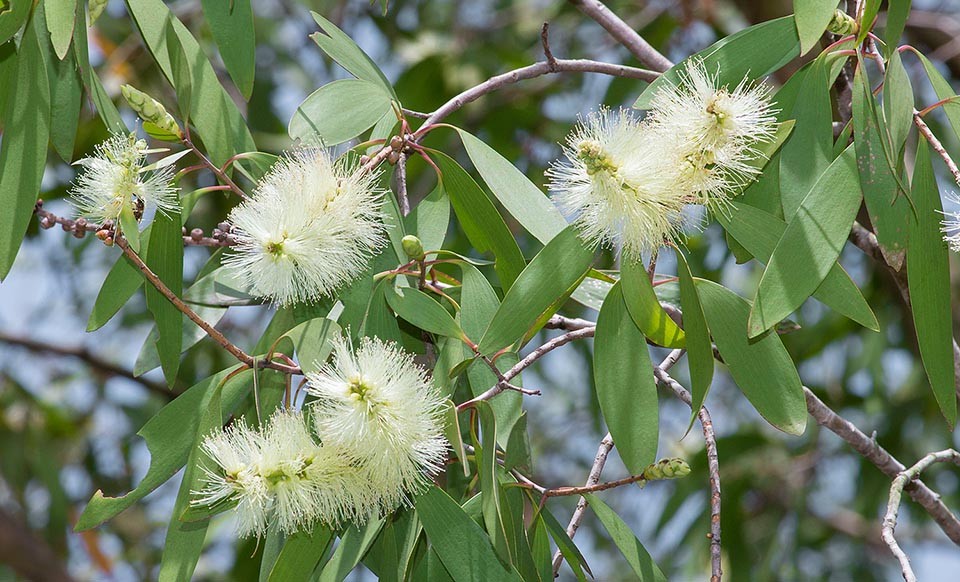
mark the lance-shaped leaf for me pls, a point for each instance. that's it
(809, 246)
(699, 347)
(165, 258)
(301, 553)
(897, 103)
(312, 341)
(232, 26)
(61, 16)
(928, 276)
(812, 18)
(556, 270)
(339, 111)
(755, 51)
(486, 454)
(761, 366)
(626, 388)
(640, 561)
(422, 311)
(645, 308)
(354, 543)
(342, 49)
(888, 211)
(759, 232)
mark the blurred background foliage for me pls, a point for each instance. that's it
(793, 508)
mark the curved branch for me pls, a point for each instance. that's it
(893, 505)
(622, 31)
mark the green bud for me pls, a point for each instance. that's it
(150, 110)
(413, 247)
(843, 24)
(671, 468)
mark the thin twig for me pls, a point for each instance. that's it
(893, 505)
(220, 174)
(887, 463)
(400, 177)
(624, 33)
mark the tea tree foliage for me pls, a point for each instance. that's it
(355, 286)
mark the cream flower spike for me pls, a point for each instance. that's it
(617, 185)
(950, 225)
(114, 177)
(382, 408)
(712, 132)
(310, 228)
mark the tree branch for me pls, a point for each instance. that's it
(893, 505)
(622, 31)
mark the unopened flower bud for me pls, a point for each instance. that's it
(196, 235)
(672, 468)
(103, 233)
(396, 143)
(45, 222)
(108, 241)
(842, 24)
(413, 247)
(149, 109)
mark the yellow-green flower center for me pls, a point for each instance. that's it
(594, 158)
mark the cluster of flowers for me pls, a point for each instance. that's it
(626, 181)
(371, 440)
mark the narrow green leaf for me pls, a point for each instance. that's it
(339, 111)
(430, 220)
(462, 545)
(12, 19)
(216, 117)
(943, 90)
(301, 553)
(480, 220)
(631, 548)
(645, 308)
(897, 13)
(170, 436)
(760, 232)
(755, 51)
(812, 18)
(626, 388)
(185, 75)
(570, 552)
(699, 347)
(539, 543)
(232, 26)
(928, 276)
(809, 246)
(486, 454)
(66, 90)
(556, 270)
(378, 320)
(312, 342)
(870, 10)
(23, 152)
(346, 52)
(354, 543)
(897, 103)
(101, 100)
(518, 454)
(165, 259)
(60, 19)
(888, 212)
(761, 366)
(422, 311)
(522, 199)
(121, 282)
(451, 429)
(272, 545)
(149, 358)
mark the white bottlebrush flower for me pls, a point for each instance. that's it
(617, 185)
(382, 408)
(113, 177)
(237, 453)
(311, 227)
(712, 132)
(950, 225)
(308, 481)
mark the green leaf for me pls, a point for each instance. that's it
(888, 212)
(231, 23)
(121, 282)
(522, 199)
(699, 347)
(631, 548)
(870, 10)
(430, 219)
(101, 100)
(539, 542)
(812, 18)
(556, 270)
(755, 52)
(354, 543)
(216, 117)
(943, 90)
(301, 553)
(12, 19)
(570, 552)
(928, 277)
(897, 13)
(165, 259)
(346, 52)
(626, 388)
(761, 366)
(191, 335)
(23, 151)
(422, 311)
(312, 342)
(480, 220)
(645, 308)
(184, 540)
(339, 111)
(518, 454)
(184, 74)
(451, 430)
(897, 103)
(760, 232)
(378, 321)
(66, 91)
(486, 455)
(170, 435)
(61, 15)
(809, 246)
(462, 545)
